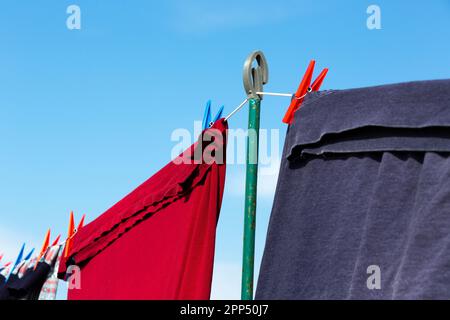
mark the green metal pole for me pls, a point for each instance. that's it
(250, 199)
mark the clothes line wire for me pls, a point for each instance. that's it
(268, 94)
(275, 94)
(68, 238)
(236, 109)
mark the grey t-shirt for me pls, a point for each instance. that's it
(362, 206)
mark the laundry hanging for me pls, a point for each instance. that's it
(2, 277)
(50, 286)
(26, 283)
(157, 242)
(4, 271)
(14, 273)
(362, 203)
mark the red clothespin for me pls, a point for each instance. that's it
(303, 89)
(55, 242)
(70, 233)
(1, 256)
(81, 223)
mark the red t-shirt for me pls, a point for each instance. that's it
(158, 241)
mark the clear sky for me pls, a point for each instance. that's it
(87, 115)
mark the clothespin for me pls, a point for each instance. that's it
(207, 122)
(45, 243)
(20, 256)
(81, 223)
(304, 87)
(70, 233)
(44, 247)
(23, 266)
(4, 270)
(18, 260)
(28, 256)
(55, 242)
(1, 256)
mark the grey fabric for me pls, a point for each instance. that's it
(364, 181)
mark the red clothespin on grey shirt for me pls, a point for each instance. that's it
(304, 87)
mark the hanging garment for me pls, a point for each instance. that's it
(362, 205)
(14, 278)
(29, 286)
(4, 293)
(4, 272)
(157, 242)
(31, 281)
(50, 286)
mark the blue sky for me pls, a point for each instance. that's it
(87, 115)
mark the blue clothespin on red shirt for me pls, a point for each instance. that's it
(304, 87)
(208, 121)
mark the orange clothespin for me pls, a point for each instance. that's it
(303, 89)
(44, 247)
(44, 244)
(70, 233)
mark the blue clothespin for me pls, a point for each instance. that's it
(29, 255)
(207, 122)
(18, 260)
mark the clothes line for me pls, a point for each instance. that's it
(276, 94)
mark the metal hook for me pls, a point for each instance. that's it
(255, 78)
